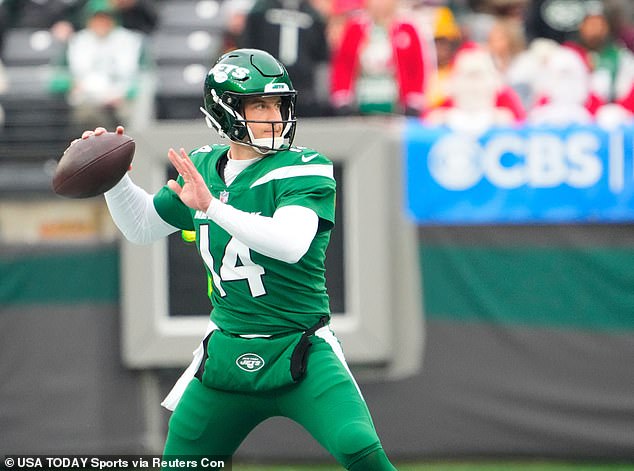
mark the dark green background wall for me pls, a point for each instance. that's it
(528, 352)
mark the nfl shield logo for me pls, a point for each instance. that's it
(224, 196)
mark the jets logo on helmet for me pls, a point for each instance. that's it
(241, 74)
(222, 72)
(275, 87)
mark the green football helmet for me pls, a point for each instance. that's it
(248, 73)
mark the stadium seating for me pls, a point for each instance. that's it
(184, 47)
(186, 42)
(26, 47)
(190, 15)
(36, 129)
(179, 91)
(37, 124)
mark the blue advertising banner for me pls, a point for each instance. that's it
(519, 175)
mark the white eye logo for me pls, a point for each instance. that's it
(222, 72)
(454, 162)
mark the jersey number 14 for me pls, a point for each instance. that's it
(236, 264)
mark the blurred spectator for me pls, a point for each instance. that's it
(500, 8)
(611, 65)
(295, 32)
(564, 88)
(476, 23)
(447, 41)
(101, 69)
(340, 12)
(475, 27)
(507, 45)
(57, 16)
(324, 7)
(137, 15)
(475, 86)
(524, 73)
(505, 42)
(554, 19)
(379, 65)
(234, 14)
(425, 14)
(620, 14)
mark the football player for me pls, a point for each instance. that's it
(262, 211)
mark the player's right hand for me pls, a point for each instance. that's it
(98, 132)
(101, 130)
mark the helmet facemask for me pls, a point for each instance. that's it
(228, 113)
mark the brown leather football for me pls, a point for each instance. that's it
(90, 167)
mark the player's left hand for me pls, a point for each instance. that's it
(194, 192)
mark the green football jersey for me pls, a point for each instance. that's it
(253, 293)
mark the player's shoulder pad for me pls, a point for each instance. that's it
(304, 155)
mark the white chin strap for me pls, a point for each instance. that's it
(212, 123)
(265, 145)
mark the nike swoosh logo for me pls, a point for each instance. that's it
(308, 158)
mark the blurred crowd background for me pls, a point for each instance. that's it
(70, 65)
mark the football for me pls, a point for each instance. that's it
(90, 167)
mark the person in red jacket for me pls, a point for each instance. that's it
(610, 64)
(477, 99)
(379, 66)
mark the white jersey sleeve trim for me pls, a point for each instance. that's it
(286, 236)
(133, 212)
(317, 170)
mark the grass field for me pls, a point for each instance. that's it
(457, 466)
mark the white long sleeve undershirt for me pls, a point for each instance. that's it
(286, 236)
(132, 210)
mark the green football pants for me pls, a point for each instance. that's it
(326, 402)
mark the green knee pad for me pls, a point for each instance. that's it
(355, 437)
(361, 447)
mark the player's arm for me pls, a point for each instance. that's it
(132, 210)
(285, 236)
